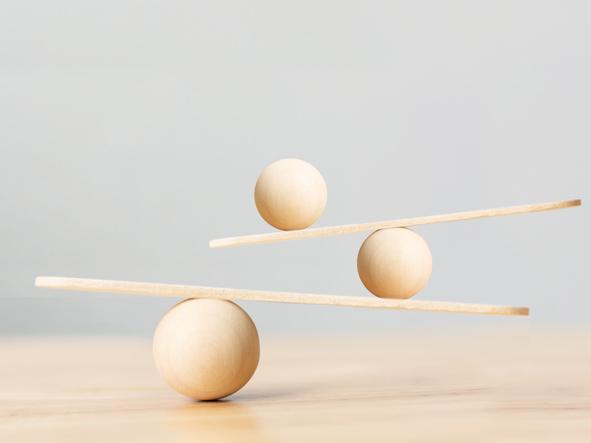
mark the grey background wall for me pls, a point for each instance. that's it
(132, 132)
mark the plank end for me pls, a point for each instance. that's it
(524, 311)
(217, 243)
(43, 282)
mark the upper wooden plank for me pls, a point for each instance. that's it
(403, 222)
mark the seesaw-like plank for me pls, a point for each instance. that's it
(404, 222)
(183, 291)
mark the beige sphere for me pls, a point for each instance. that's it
(290, 194)
(394, 263)
(206, 349)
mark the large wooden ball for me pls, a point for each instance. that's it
(290, 194)
(206, 349)
(394, 263)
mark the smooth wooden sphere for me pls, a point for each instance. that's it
(394, 263)
(206, 349)
(290, 194)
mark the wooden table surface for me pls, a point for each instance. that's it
(466, 386)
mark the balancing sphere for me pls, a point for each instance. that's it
(206, 349)
(290, 194)
(394, 263)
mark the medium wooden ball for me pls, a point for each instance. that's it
(206, 349)
(394, 263)
(290, 194)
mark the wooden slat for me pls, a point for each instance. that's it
(184, 291)
(404, 222)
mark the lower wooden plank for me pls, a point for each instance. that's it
(185, 291)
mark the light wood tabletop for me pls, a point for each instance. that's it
(494, 386)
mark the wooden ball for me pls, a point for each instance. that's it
(206, 349)
(290, 194)
(394, 263)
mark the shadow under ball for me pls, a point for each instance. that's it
(206, 349)
(290, 194)
(394, 263)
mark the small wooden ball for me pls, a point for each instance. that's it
(206, 349)
(394, 263)
(290, 194)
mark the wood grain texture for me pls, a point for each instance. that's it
(470, 386)
(185, 291)
(400, 223)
